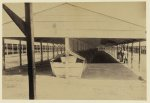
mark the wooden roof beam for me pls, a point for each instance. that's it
(17, 20)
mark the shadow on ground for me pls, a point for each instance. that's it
(103, 57)
(42, 68)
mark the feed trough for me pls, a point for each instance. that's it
(68, 66)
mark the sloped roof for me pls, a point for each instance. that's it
(74, 20)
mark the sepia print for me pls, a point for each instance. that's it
(74, 51)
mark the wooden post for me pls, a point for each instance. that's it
(3, 53)
(127, 51)
(26, 49)
(20, 52)
(53, 50)
(64, 48)
(30, 50)
(132, 55)
(79, 46)
(61, 49)
(57, 48)
(139, 54)
(41, 51)
(17, 51)
(67, 44)
(12, 49)
(26, 28)
(6, 49)
(74, 45)
(22, 49)
(47, 51)
(67, 48)
(82, 44)
(117, 51)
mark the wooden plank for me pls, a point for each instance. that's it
(30, 50)
(17, 20)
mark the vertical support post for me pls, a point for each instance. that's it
(115, 51)
(25, 50)
(77, 46)
(20, 52)
(30, 50)
(6, 49)
(127, 51)
(12, 49)
(3, 40)
(64, 48)
(53, 50)
(81, 46)
(74, 45)
(132, 55)
(22, 49)
(139, 54)
(61, 49)
(57, 49)
(41, 51)
(67, 44)
(17, 51)
(67, 48)
(47, 51)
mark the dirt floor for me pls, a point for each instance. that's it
(48, 87)
(120, 84)
(100, 81)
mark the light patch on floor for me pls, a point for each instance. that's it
(48, 87)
